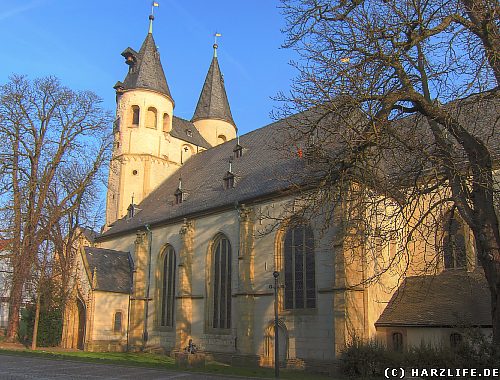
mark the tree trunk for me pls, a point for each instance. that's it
(37, 319)
(488, 243)
(16, 297)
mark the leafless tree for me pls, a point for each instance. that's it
(400, 106)
(55, 141)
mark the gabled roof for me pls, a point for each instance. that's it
(213, 103)
(89, 234)
(113, 269)
(186, 131)
(263, 169)
(269, 167)
(145, 69)
(450, 299)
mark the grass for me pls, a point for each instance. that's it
(161, 361)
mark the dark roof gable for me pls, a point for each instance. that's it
(113, 269)
(451, 298)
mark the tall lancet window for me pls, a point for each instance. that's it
(454, 241)
(168, 288)
(298, 255)
(221, 291)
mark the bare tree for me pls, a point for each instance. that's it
(403, 115)
(55, 140)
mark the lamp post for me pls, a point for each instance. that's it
(276, 340)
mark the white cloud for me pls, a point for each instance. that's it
(21, 9)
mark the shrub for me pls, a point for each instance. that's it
(363, 360)
(49, 326)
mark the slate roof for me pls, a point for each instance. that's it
(89, 234)
(186, 131)
(452, 298)
(263, 169)
(113, 268)
(213, 103)
(145, 69)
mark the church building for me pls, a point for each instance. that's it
(197, 221)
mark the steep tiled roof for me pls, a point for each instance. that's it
(145, 69)
(89, 234)
(213, 103)
(451, 298)
(113, 269)
(262, 169)
(186, 131)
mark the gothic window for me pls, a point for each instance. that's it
(397, 342)
(298, 255)
(117, 322)
(135, 116)
(221, 317)
(454, 243)
(455, 340)
(168, 288)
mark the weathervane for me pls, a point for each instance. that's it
(152, 16)
(215, 43)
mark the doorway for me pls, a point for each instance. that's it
(80, 344)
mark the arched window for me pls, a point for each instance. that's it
(397, 342)
(135, 116)
(455, 340)
(221, 316)
(117, 322)
(151, 118)
(298, 254)
(221, 139)
(454, 244)
(168, 288)
(166, 122)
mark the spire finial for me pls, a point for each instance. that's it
(215, 43)
(152, 16)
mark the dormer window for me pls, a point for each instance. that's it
(228, 181)
(179, 196)
(189, 132)
(130, 211)
(238, 151)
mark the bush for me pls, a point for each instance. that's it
(49, 326)
(364, 360)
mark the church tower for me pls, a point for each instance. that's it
(212, 116)
(142, 156)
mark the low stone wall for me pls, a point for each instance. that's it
(106, 346)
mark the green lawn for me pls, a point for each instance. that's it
(162, 361)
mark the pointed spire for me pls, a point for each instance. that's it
(145, 69)
(213, 103)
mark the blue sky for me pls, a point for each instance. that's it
(80, 42)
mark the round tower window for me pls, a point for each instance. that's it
(134, 172)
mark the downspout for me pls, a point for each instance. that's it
(146, 308)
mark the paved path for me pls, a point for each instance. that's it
(16, 367)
